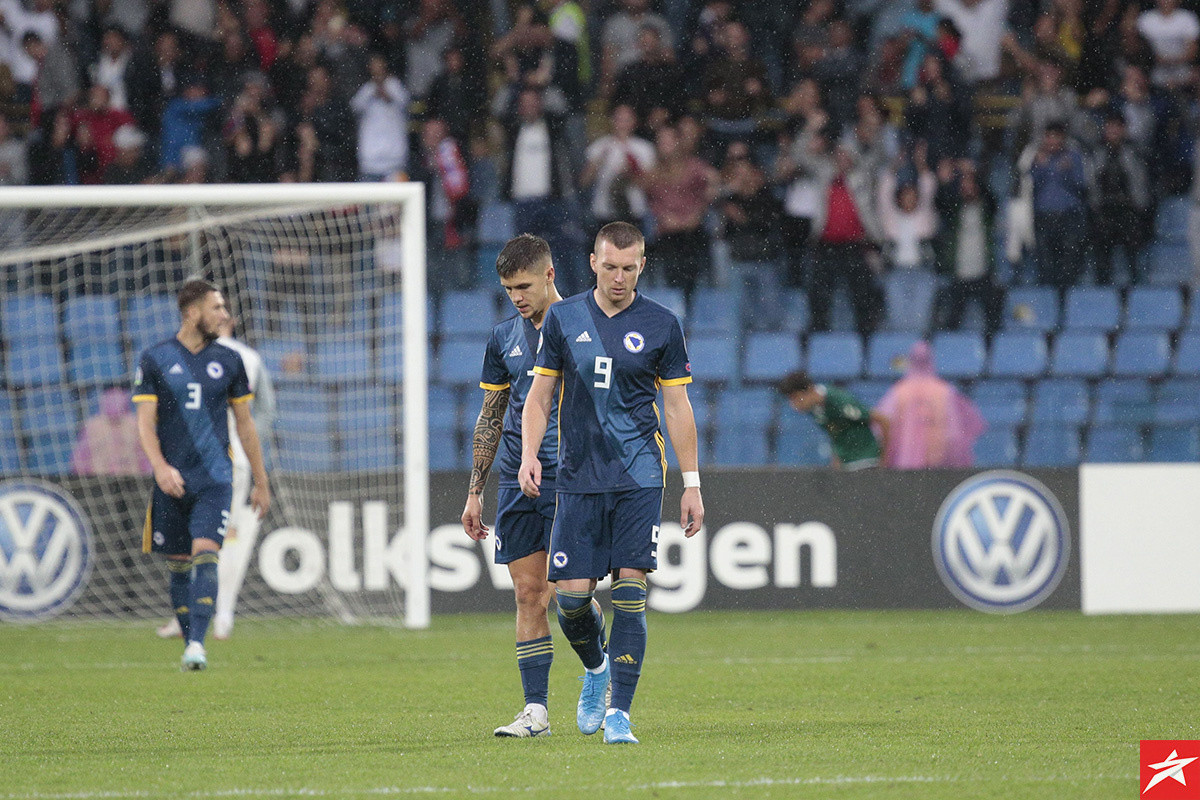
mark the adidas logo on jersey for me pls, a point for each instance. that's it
(175, 370)
(625, 659)
(583, 337)
(516, 352)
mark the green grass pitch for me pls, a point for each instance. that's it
(921, 705)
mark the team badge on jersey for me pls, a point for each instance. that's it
(215, 370)
(560, 559)
(634, 342)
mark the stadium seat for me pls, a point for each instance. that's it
(459, 362)
(496, 224)
(1060, 400)
(99, 361)
(92, 326)
(711, 312)
(1092, 308)
(796, 314)
(344, 359)
(305, 443)
(1174, 443)
(770, 356)
(444, 453)
(670, 297)
(835, 356)
(1017, 354)
(1051, 445)
(10, 448)
(34, 362)
(29, 316)
(391, 315)
(1187, 354)
(367, 428)
(997, 447)
(800, 442)
(276, 351)
(468, 314)
(1170, 263)
(869, 393)
(1141, 354)
(1033, 308)
(738, 446)
(445, 410)
(887, 354)
(1122, 401)
(150, 318)
(1115, 444)
(1171, 219)
(1178, 402)
(959, 355)
(1001, 401)
(745, 408)
(714, 358)
(1079, 354)
(1191, 319)
(910, 294)
(50, 419)
(1154, 308)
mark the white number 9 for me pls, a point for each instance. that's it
(603, 372)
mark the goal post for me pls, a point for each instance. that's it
(319, 265)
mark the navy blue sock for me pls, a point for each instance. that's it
(533, 659)
(582, 625)
(204, 595)
(180, 585)
(627, 644)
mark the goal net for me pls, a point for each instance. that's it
(326, 282)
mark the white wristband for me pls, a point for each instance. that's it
(691, 480)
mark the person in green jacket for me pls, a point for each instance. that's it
(843, 416)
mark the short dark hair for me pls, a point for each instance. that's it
(522, 252)
(795, 382)
(620, 235)
(193, 291)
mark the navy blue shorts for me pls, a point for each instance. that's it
(522, 523)
(595, 534)
(173, 523)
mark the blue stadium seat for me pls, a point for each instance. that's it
(35, 362)
(303, 429)
(835, 356)
(800, 442)
(1122, 401)
(1170, 263)
(711, 312)
(468, 314)
(149, 319)
(1017, 354)
(1174, 443)
(714, 358)
(445, 409)
(275, 351)
(391, 360)
(10, 448)
(1187, 353)
(1178, 402)
(1079, 354)
(1141, 354)
(367, 426)
(1051, 445)
(670, 297)
(1093, 308)
(745, 408)
(959, 355)
(1115, 444)
(997, 447)
(1033, 308)
(391, 315)
(444, 452)
(887, 354)
(740, 447)
(796, 314)
(918, 288)
(869, 393)
(459, 362)
(1155, 308)
(50, 419)
(92, 326)
(1060, 400)
(770, 356)
(1171, 219)
(28, 317)
(496, 224)
(1001, 401)
(485, 260)
(344, 359)
(1191, 320)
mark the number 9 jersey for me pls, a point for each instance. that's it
(611, 369)
(193, 392)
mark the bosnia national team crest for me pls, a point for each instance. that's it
(634, 342)
(215, 370)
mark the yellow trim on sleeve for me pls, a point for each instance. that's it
(494, 387)
(553, 373)
(147, 530)
(145, 398)
(246, 398)
(675, 381)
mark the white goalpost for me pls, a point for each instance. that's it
(328, 283)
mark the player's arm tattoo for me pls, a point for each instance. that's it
(486, 439)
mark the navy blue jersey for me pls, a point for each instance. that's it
(508, 364)
(193, 391)
(611, 369)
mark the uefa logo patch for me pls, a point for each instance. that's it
(1166, 766)
(1001, 542)
(560, 559)
(45, 551)
(215, 370)
(634, 342)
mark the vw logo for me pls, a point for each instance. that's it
(1001, 542)
(45, 550)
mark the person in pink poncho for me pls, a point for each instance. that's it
(108, 441)
(931, 423)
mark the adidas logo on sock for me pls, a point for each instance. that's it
(583, 337)
(515, 352)
(175, 370)
(625, 659)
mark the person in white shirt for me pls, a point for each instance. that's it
(112, 65)
(15, 22)
(381, 106)
(1173, 34)
(909, 221)
(983, 24)
(612, 162)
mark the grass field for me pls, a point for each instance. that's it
(921, 705)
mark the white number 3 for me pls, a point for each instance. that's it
(604, 372)
(193, 401)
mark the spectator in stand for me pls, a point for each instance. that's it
(965, 245)
(939, 111)
(653, 84)
(930, 425)
(343, 49)
(428, 34)
(196, 20)
(226, 74)
(840, 73)
(920, 27)
(799, 185)
(252, 135)
(1119, 196)
(1193, 226)
(14, 156)
(184, 122)
(1046, 100)
(108, 441)
(129, 165)
(909, 222)
(112, 67)
(91, 132)
(750, 220)
(619, 38)
(846, 227)
(257, 16)
(983, 24)
(381, 106)
(568, 23)
(1059, 184)
(444, 172)
(736, 87)
(16, 22)
(154, 80)
(680, 188)
(55, 88)
(194, 162)
(455, 99)
(1173, 33)
(613, 161)
(324, 148)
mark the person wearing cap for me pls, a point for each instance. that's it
(129, 165)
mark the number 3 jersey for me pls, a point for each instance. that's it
(193, 391)
(610, 370)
